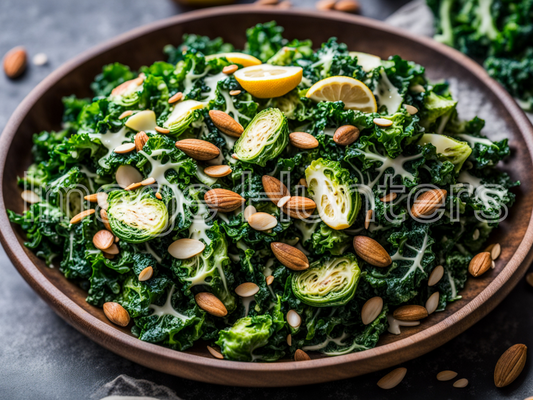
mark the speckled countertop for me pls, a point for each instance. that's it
(43, 358)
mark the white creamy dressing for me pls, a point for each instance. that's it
(489, 197)
(325, 61)
(199, 227)
(110, 141)
(388, 94)
(167, 309)
(452, 284)
(89, 175)
(316, 347)
(267, 271)
(150, 251)
(329, 131)
(416, 261)
(394, 324)
(246, 301)
(472, 140)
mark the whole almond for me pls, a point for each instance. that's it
(261, 221)
(223, 200)
(325, 5)
(303, 140)
(371, 251)
(290, 256)
(198, 149)
(274, 188)
(15, 62)
(428, 202)
(410, 313)
(480, 264)
(116, 314)
(301, 355)
(299, 207)
(510, 365)
(346, 135)
(146, 274)
(226, 123)
(211, 304)
(103, 239)
(392, 379)
(350, 6)
(141, 138)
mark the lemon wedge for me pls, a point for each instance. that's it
(353, 93)
(245, 60)
(266, 81)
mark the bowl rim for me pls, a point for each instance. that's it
(139, 351)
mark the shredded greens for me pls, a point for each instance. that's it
(431, 146)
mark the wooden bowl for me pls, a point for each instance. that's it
(42, 110)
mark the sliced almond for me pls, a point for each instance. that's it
(371, 309)
(436, 275)
(125, 86)
(183, 249)
(226, 123)
(475, 235)
(230, 69)
(116, 314)
(346, 135)
(368, 218)
(447, 375)
(125, 114)
(285, 5)
(158, 196)
(105, 219)
(223, 200)
(141, 139)
(494, 250)
(299, 207)
(146, 274)
(15, 62)
(217, 171)
(303, 140)
(480, 264)
(248, 212)
(108, 256)
(124, 148)
(261, 221)
(211, 304)
(142, 121)
(410, 313)
(382, 122)
(417, 88)
(302, 182)
(164, 131)
(325, 5)
(428, 202)
(266, 2)
(177, 97)
(283, 201)
(30, 197)
(198, 149)
(112, 250)
(411, 109)
(269, 280)
(77, 218)
(294, 319)
(274, 188)
(289, 339)
(432, 303)
(247, 289)
(133, 186)
(510, 365)
(148, 181)
(215, 353)
(301, 355)
(389, 197)
(126, 175)
(461, 383)
(234, 92)
(290, 256)
(371, 251)
(392, 379)
(103, 239)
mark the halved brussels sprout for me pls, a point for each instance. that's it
(448, 149)
(136, 216)
(264, 138)
(182, 116)
(334, 192)
(331, 281)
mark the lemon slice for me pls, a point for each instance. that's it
(367, 61)
(245, 60)
(266, 81)
(353, 93)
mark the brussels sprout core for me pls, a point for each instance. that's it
(264, 138)
(136, 216)
(328, 282)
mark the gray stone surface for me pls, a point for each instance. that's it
(43, 358)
